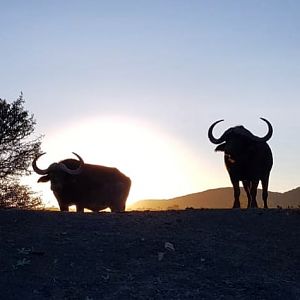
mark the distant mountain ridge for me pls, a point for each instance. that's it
(218, 198)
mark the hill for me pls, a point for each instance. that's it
(218, 198)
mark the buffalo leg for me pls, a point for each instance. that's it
(265, 184)
(79, 208)
(118, 208)
(246, 185)
(253, 191)
(122, 191)
(236, 192)
(63, 207)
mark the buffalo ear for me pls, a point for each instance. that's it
(44, 178)
(221, 147)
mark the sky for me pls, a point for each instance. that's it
(135, 84)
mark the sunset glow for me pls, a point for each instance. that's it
(137, 86)
(159, 165)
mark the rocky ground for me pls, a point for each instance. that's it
(191, 254)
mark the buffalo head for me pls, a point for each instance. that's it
(56, 172)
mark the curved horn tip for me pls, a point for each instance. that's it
(264, 119)
(267, 121)
(78, 156)
(36, 168)
(219, 121)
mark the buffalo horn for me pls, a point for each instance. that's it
(70, 171)
(269, 134)
(210, 134)
(35, 167)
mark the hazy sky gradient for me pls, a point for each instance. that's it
(175, 65)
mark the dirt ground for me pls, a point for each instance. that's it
(191, 254)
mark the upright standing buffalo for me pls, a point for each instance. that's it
(87, 186)
(248, 158)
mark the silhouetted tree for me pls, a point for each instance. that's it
(15, 195)
(17, 151)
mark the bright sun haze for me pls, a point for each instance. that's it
(159, 165)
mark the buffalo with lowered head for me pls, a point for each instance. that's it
(248, 158)
(87, 186)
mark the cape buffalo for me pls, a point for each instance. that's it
(248, 158)
(87, 186)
